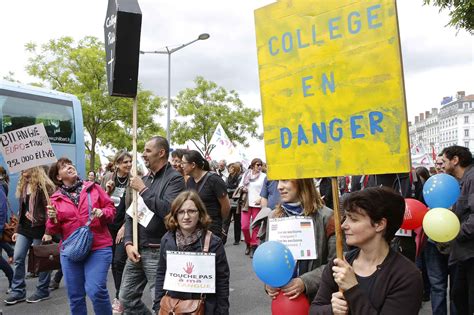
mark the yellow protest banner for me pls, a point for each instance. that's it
(331, 83)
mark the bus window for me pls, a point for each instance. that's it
(58, 119)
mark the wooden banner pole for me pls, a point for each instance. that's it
(134, 173)
(337, 218)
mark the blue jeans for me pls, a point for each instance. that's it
(88, 277)
(438, 272)
(22, 246)
(135, 277)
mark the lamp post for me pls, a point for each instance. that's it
(168, 52)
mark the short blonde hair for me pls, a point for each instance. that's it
(171, 220)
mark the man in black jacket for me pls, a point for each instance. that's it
(457, 161)
(158, 189)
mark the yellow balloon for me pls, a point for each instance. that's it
(441, 225)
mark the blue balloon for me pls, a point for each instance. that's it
(441, 191)
(274, 264)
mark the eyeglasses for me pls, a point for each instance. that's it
(439, 164)
(258, 164)
(190, 212)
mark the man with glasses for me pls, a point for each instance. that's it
(158, 189)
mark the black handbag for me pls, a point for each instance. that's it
(44, 257)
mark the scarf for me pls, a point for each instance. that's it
(250, 177)
(292, 208)
(72, 192)
(185, 243)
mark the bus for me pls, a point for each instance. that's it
(61, 114)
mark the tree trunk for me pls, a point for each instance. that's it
(92, 154)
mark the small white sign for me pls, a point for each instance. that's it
(144, 214)
(403, 232)
(190, 272)
(297, 233)
(26, 147)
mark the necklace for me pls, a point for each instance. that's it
(124, 182)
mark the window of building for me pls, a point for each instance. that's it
(466, 119)
(466, 132)
(466, 144)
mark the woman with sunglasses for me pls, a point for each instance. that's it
(210, 187)
(251, 184)
(187, 225)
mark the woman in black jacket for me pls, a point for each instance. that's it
(232, 183)
(187, 228)
(374, 279)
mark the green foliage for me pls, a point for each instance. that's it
(80, 69)
(461, 12)
(206, 105)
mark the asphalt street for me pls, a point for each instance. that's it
(246, 291)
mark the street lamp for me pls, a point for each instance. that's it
(168, 52)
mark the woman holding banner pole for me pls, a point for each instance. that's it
(299, 198)
(32, 191)
(373, 278)
(187, 225)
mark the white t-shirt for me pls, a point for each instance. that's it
(254, 189)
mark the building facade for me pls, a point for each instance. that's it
(452, 124)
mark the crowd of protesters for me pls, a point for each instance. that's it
(190, 203)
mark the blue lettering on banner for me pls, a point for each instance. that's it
(375, 118)
(357, 23)
(355, 127)
(270, 46)
(334, 128)
(306, 87)
(333, 28)
(372, 16)
(290, 42)
(298, 36)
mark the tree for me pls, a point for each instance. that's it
(206, 105)
(80, 69)
(461, 12)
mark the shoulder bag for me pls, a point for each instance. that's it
(44, 257)
(9, 227)
(78, 245)
(169, 305)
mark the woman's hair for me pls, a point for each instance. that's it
(178, 153)
(121, 155)
(423, 173)
(38, 180)
(193, 156)
(378, 203)
(54, 170)
(4, 176)
(236, 167)
(255, 161)
(308, 196)
(171, 220)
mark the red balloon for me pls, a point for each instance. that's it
(282, 305)
(414, 213)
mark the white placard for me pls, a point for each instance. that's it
(297, 233)
(190, 272)
(403, 232)
(26, 147)
(144, 214)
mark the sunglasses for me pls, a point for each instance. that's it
(258, 164)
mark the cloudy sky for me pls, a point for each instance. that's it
(438, 61)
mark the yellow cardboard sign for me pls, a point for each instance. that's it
(332, 91)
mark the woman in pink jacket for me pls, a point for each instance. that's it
(68, 211)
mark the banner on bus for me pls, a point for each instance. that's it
(26, 147)
(332, 90)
